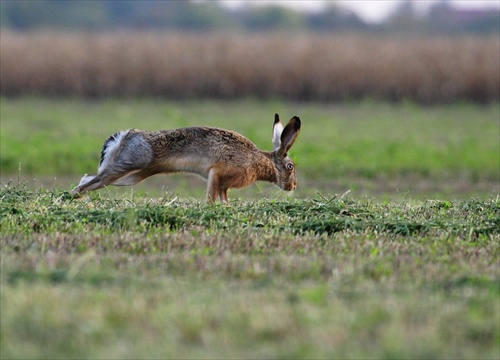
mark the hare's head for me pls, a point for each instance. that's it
(283, 139)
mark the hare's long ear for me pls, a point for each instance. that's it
(277, 130)
(288, 136)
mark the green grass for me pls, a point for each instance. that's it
(410, 271)
(447, 151)
(127, 276)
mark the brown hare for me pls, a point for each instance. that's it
(225, 158)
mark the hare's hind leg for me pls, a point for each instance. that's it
(124, 157)
(133, 178)
(94, 182)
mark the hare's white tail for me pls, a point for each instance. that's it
(105, 172)
(111, 145)
(109, 148)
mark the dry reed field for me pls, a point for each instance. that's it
(294, 67)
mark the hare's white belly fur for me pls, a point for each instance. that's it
(191, 164)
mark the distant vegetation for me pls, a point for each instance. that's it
(212, 16)
(306, 67)
(188, 49)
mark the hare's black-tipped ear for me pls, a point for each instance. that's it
(277, 130)
(289, 135)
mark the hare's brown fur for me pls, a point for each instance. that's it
(225, 158)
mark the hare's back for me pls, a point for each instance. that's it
(199, 149)
(201, 141)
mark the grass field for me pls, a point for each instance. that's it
(410, 271)
(132, 277)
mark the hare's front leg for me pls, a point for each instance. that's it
(212, 186)
(223, 196)
(214, 189)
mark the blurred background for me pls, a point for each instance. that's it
(397, 97)
(430, 17)
(432, 51)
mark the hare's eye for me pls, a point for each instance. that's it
(289, 166)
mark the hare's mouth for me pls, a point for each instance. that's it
(289, 186)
